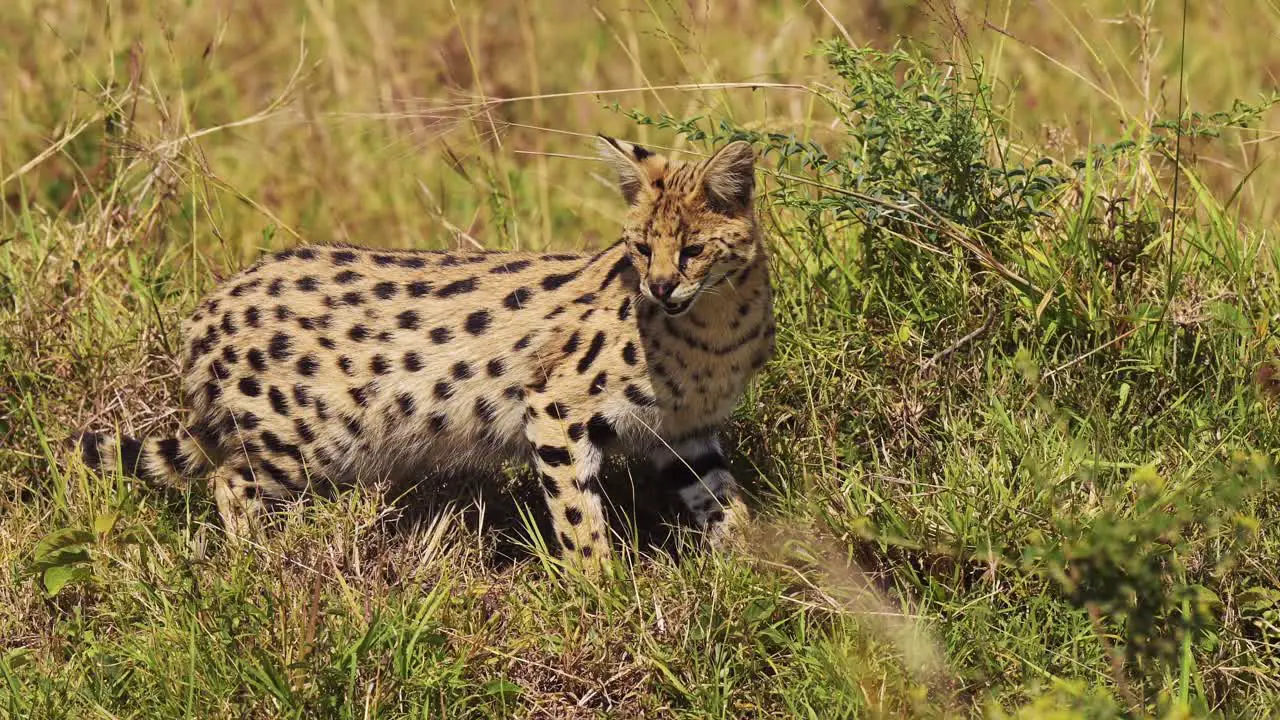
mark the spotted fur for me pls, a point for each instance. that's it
(329, 364)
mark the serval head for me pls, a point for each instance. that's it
(690, 225)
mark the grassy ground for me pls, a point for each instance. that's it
(1013, 456)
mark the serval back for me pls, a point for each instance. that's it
(334, 365)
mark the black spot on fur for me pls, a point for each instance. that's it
(624, 310)
(552, 282)
(205, 344)
(571, 345)
(593, 351)
(557, 312)
(406, 403)
(636, 396)
(412, 262)
(228, 325)
(478, 322)
(598, 384)
(168, 449)
(513, 392)
(385, 290)
(618, 268)
(351, 297)
(346, 277)
(275, 287)
(257, 359)
(511, 267)
(443, 390)
(380, 365)
(438, 422)
(496, 367)
(301, 395)
(576, 431)
(343, 257)
(408, 320)
(344, 363)
(412, 362)
(280, 347)
(418, 288)
(327, 343)
(250, 387)
(321, 456)
(629, 353)
(305, 433)
(573, 515)
(557, 410)
(567, 542)
(229, 354)
(353, 425)
(130, 456)
(523, 342)
(586, 299)
(253, 316)
(553, 456)
(441, 335)
(283, 313)
(484, 410)
(278, 401)
(457, 287)
(461, 370)
(383, 260)
(358, 333)
(307, 283)
(517, 298)
(244, 287)
(360, 395)
(687, 471)
(549, 485)
(599, 431)
(305, 254)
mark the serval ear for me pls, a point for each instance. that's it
(728, 178)
(635, 166)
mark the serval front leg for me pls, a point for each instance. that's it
(696, 471)
(568, 462)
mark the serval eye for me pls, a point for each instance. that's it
(644, 249)
(691, 251)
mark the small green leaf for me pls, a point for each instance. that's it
(1258, 599)
(59, 539)
(65, 557)
(18, 658)
(104, 522)
(56, 578)
(503, 689)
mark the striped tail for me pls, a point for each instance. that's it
(167, 461)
